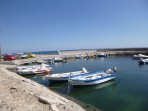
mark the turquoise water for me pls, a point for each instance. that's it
(129, 92)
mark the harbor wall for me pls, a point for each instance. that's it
(110, 52)
(76, 52)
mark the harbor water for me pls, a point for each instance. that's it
(128, 92)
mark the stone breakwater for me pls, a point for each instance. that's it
(72, 54)
(20, 94)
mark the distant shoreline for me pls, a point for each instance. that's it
(102, 49)
(123, 51)
(72, 54)
(53, 52)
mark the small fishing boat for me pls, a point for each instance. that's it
(102, 55)
(140, 56)
(80, 56)
(143, 61)
(65, 76)
(93, 78)
(56, 59)
(27, 66)
(36, 69)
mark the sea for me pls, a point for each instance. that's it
(45, 52)
(128, 92)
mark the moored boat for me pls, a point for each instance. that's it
(36, 69)
(65, 76)
(27, 66)
(140, 56)
(80, 56)
(56, 59)
(93, 78)
(102, 55)
(143, 61)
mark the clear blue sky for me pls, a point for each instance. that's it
(35, 25)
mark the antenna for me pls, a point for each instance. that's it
(0, 54)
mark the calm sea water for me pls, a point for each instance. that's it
(46, 52)
(129, 92)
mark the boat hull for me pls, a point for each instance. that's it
(34, 72)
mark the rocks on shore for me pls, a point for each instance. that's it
(21, 94)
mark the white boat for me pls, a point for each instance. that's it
(102, 55)
(80, 56)
(140, 56)
(27, 66)
(143, 61)
(56, 59)
(36, 69)
(93, 78)
(65, 76)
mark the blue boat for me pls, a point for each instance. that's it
(93, 78)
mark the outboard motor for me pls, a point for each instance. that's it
(115, 70)
(84, 70)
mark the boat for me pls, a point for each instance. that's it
(102, 55)
(80, 56)
(143, 61)
(35, 69)
(56, 59)
(26, 66)
(93, 78)
(65, 76)
(140, 56)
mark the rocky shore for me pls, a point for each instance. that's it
(20, 94)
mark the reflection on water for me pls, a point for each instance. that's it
(64, 89)
(88, 89)
(39, 79)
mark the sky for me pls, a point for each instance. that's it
(37, 25)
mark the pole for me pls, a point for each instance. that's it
(0, 54)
